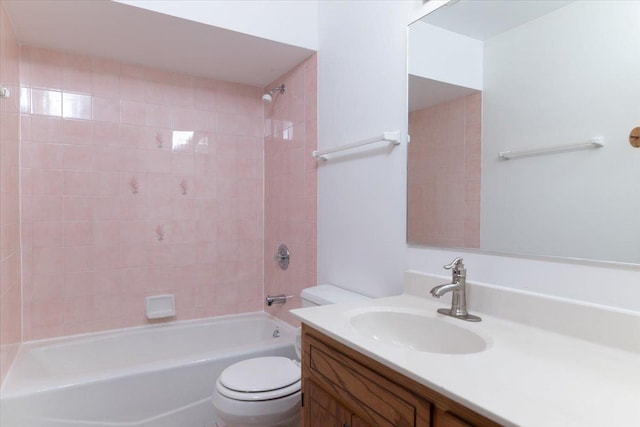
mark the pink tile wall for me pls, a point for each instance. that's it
(10, 281)
(444, 171)
(136, 182)
(291, 185)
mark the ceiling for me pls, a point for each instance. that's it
(426, 93)
(483, 19)
(480, 20)
(130, 34)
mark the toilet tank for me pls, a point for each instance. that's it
(328, 294)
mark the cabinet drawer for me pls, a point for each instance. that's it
(375, 399)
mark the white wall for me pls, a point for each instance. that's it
(286, 21)
(362, 70)
(564, 78)
(445, 56)
(362, 210)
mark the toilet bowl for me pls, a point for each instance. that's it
(265, 391)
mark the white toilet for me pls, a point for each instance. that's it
(265, 391)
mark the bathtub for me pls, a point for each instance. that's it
(152, 376)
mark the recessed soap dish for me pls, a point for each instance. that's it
(160, 306)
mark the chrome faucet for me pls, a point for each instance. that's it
(458, 287)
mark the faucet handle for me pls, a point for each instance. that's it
(455, 264)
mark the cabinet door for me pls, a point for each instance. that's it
(322, 410)
(447, 419)
(356, 421)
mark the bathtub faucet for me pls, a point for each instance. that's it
(277, 299)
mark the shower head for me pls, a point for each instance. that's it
(268, 97)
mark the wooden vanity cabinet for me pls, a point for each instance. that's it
(344, 388)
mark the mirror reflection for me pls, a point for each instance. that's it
(541, 81)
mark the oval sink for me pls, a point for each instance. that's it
(417, 332)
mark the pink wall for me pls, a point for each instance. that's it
(444, 174)
(115, 156)
(291, 184)
(10, 288)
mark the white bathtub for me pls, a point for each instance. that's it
(153, 376)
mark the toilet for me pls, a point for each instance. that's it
(265, 391)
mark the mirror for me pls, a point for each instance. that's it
(554, 86)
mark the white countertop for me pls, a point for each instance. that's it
(527, 376)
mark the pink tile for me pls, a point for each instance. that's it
(159, 116)
(133, 232)
(77, 157)
(134, 207)
(41, 156)
(48, 311)
(108, 159)
(78, 283)
(105, 79)
(182, 163)
(46, 129)
(46, 68)
(10, 243)
(108, 307)
(135, 281)
(45, 182)
(223, 207)
(76, 183)
(48, 261)
(133, 256)
(79, 309)
(79, 258)
(76, 132)
(107, 259)
(235, 124)
(47, 234)
(43, 208)
(78, 208)
(106, 184)
(76, 106)
(106, 208)
(183, 231)
(25, 127)
(183, 208)
(106, 233)
(105, 134)
(159, 279)
(183, 254)
(46, 102)
(133, 136)
(76, 75)
(159, 254)
(134, 160)
(78, 234)
(134, 113)
(158, 139)
(108, 282)
(205, 99)
(106, 110)
(159, 161)
(132, 87)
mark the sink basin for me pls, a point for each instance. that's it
(417, 332)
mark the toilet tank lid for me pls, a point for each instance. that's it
(330, 294)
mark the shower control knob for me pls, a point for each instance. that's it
(282, 256)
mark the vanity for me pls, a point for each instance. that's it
(524, 364)
(342, 387)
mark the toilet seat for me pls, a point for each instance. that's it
(259, 379)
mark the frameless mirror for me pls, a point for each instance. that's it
(520, 119)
